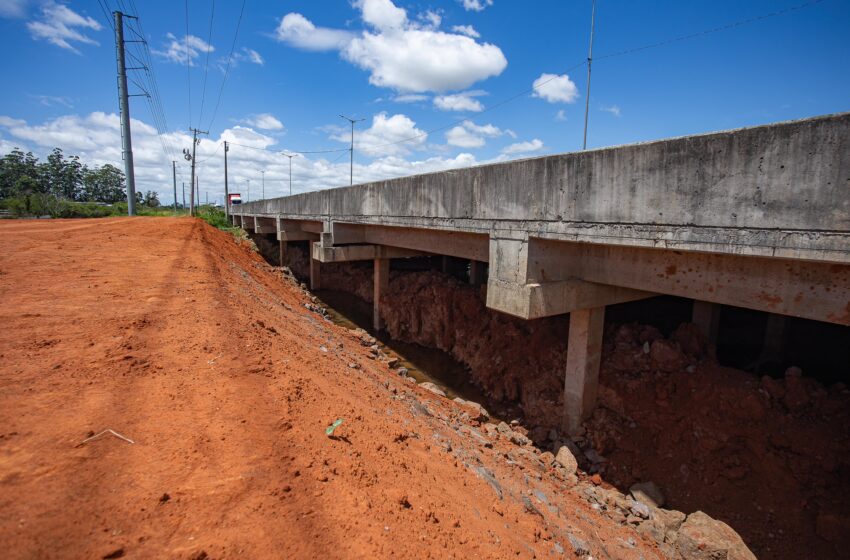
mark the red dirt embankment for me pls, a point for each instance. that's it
(169, 333)
(769, 457)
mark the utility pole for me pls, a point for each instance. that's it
(351, 150)
(226, 195)
(589, 62)
(264, 184)
(124, 105)
(191, 158)
(174, 181)
(290, 156)
(249, 190)
(184, 194)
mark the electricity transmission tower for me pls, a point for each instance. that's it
(351, 150)
(191, 158)
(124, 105)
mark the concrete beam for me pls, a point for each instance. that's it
(381, 280)
(584, 350)
(808, 289)
(297, 236)
(441, 242)
(533, 301)
(347, 253)
(265, 225)
(315, 271)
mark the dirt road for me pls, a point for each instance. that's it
(174, 336)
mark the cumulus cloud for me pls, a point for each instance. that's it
(524, 147)
(467, 30)
(384, 137)
(470, 135)
(555, 88)
(464, 101)
(96, 138)
(185, 49)
(61, 26)
(300, 32)
(410, 98)
(561, 115)
(264, 121)
(476, 5)
(405, 55)
(613, 109)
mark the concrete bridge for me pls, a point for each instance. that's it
(756, 218)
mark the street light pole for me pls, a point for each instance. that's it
(263, 172)
(351, 150)
(290, 156)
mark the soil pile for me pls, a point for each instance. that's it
(769, 456)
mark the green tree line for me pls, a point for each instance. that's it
(31, 187)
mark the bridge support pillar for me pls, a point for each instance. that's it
(282, 253)
(381, 281)
(581, 381)
(476, 273)
(706, 316)
(315, 270)
(774, 339)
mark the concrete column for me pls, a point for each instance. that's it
(445, 265)
(584, 349)
(381, 281)
(476, 273)
(315, 270)
(774, 339)
(706, 316)
(282, 255)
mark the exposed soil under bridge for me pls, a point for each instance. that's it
(770, 456)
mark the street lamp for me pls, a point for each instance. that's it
(290, 156)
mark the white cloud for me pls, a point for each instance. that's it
(410, 98)
(96, 138)
(467, 30)
(400, 54)
(60, 26)
(264, 121)
(476, 5)
(613, 109)
(54, 100)
(470, 135)
(464, 101)
(300, 32)
(382, 14)
(13, 8)
(431, 19)
(253, 56)
(523, 147)
(185, 49)
(561, 115)
(555, 88)
(384, 137)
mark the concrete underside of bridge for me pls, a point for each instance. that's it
(756, 218)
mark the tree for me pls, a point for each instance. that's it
(103, 184)
(16, 171)
(151, 199)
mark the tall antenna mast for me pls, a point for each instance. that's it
(589, 62)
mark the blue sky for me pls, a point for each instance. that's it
(427, 77)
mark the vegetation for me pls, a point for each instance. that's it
(64, 187)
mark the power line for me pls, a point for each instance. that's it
(710, 31)
(229, 63)
(207, 63)
(188, 62)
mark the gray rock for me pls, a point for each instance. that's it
(580, 547)
(518, 438)
(503, 428)
(566, 459)
(647, 493)
(433, 388)
(639, 509)
(490, 478)
(702, 538)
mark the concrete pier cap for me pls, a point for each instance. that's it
(756, 217)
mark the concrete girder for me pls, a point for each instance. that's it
(460, 244)
(265, 225)
(297, 236)
(346, 253)
(807, 289)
